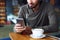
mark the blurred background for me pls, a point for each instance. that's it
(9, 11)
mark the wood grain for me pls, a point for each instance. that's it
(15, 36)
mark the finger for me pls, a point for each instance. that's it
(22, 29)
(19, 30)
(17, 25)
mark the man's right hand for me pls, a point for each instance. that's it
(18, 28)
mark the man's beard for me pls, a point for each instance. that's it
(34, 6)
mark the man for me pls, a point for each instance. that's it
(37, 14)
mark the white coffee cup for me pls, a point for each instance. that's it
(37, 32)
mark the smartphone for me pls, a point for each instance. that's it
(21, 21)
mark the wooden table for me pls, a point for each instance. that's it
(15, 36)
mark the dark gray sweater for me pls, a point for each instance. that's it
(44, 18)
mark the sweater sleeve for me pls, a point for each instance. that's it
(20, 13)
(53, 22)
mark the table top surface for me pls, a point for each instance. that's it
(15, 36)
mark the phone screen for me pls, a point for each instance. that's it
(21, 21)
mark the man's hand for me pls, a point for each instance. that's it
(18, 28)
(27, 31)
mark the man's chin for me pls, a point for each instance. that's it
(31, 6)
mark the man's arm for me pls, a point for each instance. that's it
(18, 28)
(53, 22)
(20, 13)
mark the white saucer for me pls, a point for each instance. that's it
(37, 37)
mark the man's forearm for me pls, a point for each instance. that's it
(49, 28)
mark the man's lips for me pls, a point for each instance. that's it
(30, 4)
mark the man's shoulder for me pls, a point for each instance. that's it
(49, 5)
